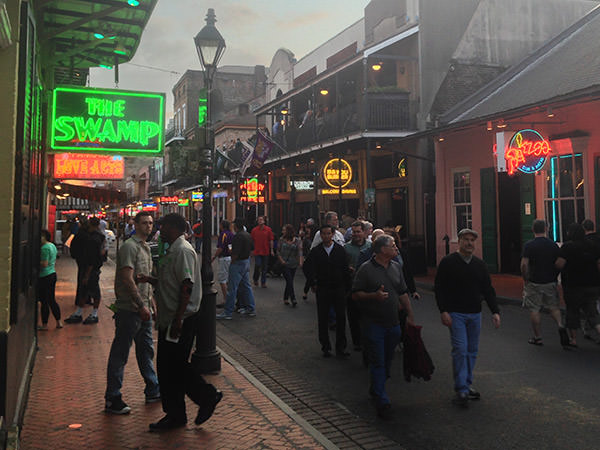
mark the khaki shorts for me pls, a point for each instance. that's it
(223, 269)
(536, 296)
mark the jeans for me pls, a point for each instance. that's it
(381, 342)
(198, 244)
(328, 298)
(239, 278)
(47, 289)
(176, 374)
(288, 274)
(464, 334)
(261, 263)
(129, 327)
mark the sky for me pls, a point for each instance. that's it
(253, 31)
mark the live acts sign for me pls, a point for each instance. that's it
(107, 121)
(88, 167)
(526, 152)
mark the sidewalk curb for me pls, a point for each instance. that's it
(316, 434)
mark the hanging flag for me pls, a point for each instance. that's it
(247, 153)
(262, 150)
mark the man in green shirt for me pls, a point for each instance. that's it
(47, 282)
(133, 319)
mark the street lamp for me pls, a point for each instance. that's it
(207, 359)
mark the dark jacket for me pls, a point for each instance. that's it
(417, 362)
(328, 271)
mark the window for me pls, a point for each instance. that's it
(564, 201)
(184, 122)
(461, 200)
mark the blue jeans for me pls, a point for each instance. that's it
(129, 327)
(464, 334)
(239, 278)
(261, 264)
(198, 244)
(381, 344)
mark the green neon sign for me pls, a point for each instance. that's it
(202, 107)
(107, 121)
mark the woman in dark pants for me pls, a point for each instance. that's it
(306, 243)
(47, 282)
(290, 256)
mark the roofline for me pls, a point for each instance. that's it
(480, 96)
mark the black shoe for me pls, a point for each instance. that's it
(294, 303)
(342, 354)
(220, 305)
(205, 411)
(167, 423)
(74, 318)
(564, 336)
(473, 394)
(384, 411)
(326, 353)
(116, 406)
(461, 399)
(332, 325)
(90, 320)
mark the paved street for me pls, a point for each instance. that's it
(532, 397)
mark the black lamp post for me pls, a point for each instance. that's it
(207, 359)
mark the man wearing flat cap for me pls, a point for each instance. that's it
(461, 281)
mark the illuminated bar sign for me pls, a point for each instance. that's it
(149, 207)
(197, 196)
(107, 121)
(251, 191)
(183, 202)
(337, 191)
(337, 173)
(81, 166)
(527, 152)
(174, 200)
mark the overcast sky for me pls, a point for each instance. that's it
(253, 31)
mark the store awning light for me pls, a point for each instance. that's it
(376, 67)
(324, 92)
(489, 125)
(549, 112)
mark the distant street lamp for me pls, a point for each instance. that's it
(206, 359)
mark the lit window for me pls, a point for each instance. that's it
(461, 201)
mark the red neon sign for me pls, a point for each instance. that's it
(526, 152)
(76, 166)
(251, 191)
(169, 200)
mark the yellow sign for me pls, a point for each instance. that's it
(337, 173)
(337, 191)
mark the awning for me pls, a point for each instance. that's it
(84, 34)
(104, 196)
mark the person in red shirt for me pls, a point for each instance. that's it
(262, 237)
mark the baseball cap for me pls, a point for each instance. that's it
(468, 231)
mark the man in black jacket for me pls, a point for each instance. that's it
(461, 280)
(327, 272)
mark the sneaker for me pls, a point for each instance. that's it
(74, 318)
(168, 423)
(241, 310)
(223, 316)
(206, 411)
(59, 324)
(248, 313)
(153, 398)
(473, 394)
(116, 406)
(42, 327)
(461, 399)
(89, 320)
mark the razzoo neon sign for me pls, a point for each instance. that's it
(527, 152)
(251, 191)
(107, 121)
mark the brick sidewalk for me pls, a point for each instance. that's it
(67, 390)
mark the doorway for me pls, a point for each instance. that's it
(509, 208)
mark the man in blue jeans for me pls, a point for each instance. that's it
(461, 280)
(239, 274)
(133, 320)
(380, 291)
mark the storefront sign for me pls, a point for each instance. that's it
(402, 168)
(174, 200)
(183, 202)
(77, 166)
(107, 121)
(251, 191)
(149, 207)
(337, 173)
(527, 152)
(337, 191)
(303, 185)
(197, 196)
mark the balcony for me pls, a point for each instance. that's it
(375, 112)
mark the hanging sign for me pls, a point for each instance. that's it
(78, 166)
(527, 152)
(107, 121)
(251, 191)
(183, 202)
(337, 173)
(149, 207)
(197, 196)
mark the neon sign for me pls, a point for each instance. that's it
(337, 173)
(88, 167)
(149, 207)
(251, 191)
(337, 191)
(527, 152)
(174, 200)
(183, 202)
(107, 121)
(197, 196)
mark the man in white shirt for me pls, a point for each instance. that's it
(331, 218)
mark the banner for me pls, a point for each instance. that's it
(257, 157)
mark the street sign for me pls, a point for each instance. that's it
(107, 121)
